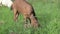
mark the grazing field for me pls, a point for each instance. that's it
(47, 12)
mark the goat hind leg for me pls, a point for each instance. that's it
(15, 14)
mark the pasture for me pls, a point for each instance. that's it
(47, 12)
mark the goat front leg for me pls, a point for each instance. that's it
(25, 21)
(34, 21)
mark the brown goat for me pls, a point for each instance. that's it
(26, 9)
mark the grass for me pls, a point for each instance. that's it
(47, 12)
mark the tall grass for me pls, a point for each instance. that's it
(47, 12)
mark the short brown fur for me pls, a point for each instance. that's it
(26, 9)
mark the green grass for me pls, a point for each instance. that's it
(47, 12)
